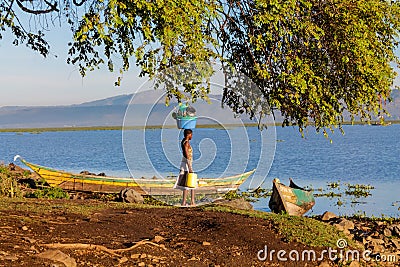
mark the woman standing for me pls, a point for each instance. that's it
(186, 167)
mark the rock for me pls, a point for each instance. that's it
(205, 243)
(375, 234)
(378, 249)
(123, 260)
(376, 241)
(56, 255)
(135, 256)
(24, 228)
(143, 256)
(28, 239)
(324, 264)
(396, 230)
(380, 223)
(376, 245)
(142, 264)
(158, 239)
(387, 232)
(343, 224)
(354, 264)
(328, 216)
(396, 244)
(131, 196)
(239, 203)
(365, 228)
(10, 258)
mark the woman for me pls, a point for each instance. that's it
(186, 167)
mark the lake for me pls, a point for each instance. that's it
(364, 155)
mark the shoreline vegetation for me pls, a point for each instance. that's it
(111, 128)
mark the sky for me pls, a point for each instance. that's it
(28, 79)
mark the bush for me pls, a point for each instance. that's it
(8, 184)
(49, 193)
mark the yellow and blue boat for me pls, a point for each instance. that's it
(145, 186)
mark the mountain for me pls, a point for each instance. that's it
(109, 112)
(148, 107)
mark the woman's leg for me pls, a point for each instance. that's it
(184, 195)
(192, 202)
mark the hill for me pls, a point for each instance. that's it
(107, 112)
(111, 112)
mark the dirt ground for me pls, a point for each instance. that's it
(138, 237)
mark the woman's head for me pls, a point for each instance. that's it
(187, 133)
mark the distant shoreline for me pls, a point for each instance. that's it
(110, 128)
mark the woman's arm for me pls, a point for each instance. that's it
(185, 154)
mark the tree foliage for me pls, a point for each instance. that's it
(313, 60)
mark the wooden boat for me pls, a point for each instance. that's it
(105, 184)
(291, 199)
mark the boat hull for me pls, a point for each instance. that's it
(292, 200)
(104, 184)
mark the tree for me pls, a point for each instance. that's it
(311, 59)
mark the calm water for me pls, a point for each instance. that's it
(364, 155)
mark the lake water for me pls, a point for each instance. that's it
(364, 155)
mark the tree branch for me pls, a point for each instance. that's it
(78, 4)
(53, 7)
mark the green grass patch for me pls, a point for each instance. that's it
(46, 206)
(304, 230)
(49, 193)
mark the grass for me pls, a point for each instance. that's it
(44, 206)
(8, 184)
(304, 230)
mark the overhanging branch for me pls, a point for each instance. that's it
(52, 8)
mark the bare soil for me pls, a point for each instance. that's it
(163, 237)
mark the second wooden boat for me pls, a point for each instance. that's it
(105, 184)
(292, 199)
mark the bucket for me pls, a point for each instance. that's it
(186, 122)
(191, 180)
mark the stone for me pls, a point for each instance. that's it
(10, 258)
(28, 239)
(354, 264)
(365, 228)
(56, 255)
(123, 260)
(143, 256)
(142, 264)
(343, 224)
(158, 239)
(135, 256)
(239, 203)
(387, 232)
(378, 249)
(324, 264)
(205, 243)
(24, 228)
(131, 196)
(376, 241)
(327, 216)
(396, 230)
(396, 244)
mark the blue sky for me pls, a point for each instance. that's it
(28, 79)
